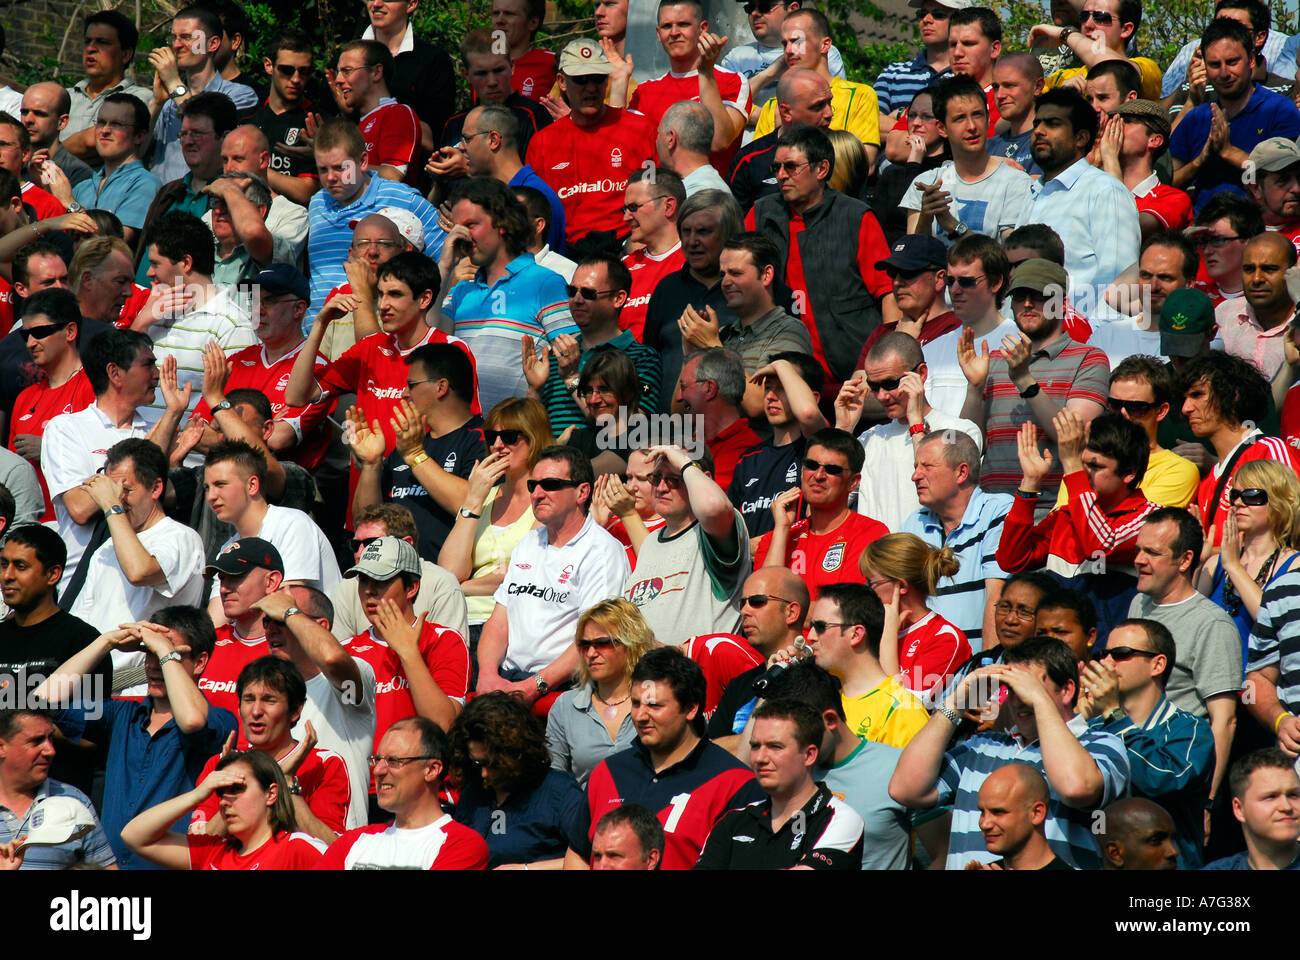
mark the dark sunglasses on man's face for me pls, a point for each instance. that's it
(362, 543)
(762, 6)
(1135, 408)
(889, 384)
(286, 70)
(1251, 497)
(1120, 654)
(1100, 17)
(934, 13)
(588, 293)
(551, 484)
(45, 330)
(832, 469)
(508, 437)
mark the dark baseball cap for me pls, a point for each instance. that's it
(281, 278)
(914, 251)
(244, 555)
(1185, 318)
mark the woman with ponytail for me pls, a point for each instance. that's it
(918, 645)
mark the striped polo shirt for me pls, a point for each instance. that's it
(899, 82)
(960, 599)
(1069, 829)
(1275, 638)
(1065, 371)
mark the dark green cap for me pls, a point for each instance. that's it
(1186, 317)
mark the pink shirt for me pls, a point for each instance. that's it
(1241, 336)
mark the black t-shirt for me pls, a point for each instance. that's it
(763, 472)
(751, 172)
(1056, 863)
(826, 834)
(285, 128)
(30, 654)
(456, 452)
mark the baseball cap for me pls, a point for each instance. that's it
(1039, 275)
(281, 278)
(914, 251)
(244, 555)
(1274, 154)
(1150, 113)
(55, 820)
(407, 224)
(385, 558)
(584, 58)
(1185, 318)
(950, 4)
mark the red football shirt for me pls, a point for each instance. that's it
(6, 306)
(1171, 206)
(322, 777)
(39, 404)
(392, 135)
(533, 74)
(1289, 230)
(43, 202)
(727, 448)
(994, 115)
(588, 167)
(231, 654)
(654, 97)
(929, 651)
(826, 558)
(131, 309)
(619, 533)
(647, 270)
(284, 851)
(442, 845)
(722, 657)
(249, 368)
(444, 652)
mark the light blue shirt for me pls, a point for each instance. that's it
(127, 193)
(168, 161)
(751, 59)
(1275, 50)
(1096, 218)
(93, 848)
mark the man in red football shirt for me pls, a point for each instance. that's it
(824, 546)
(534, 69)
(1130, 155)
(391, 129)
(586, 157)
(650, 206)
(693, 53)
(246, 571)
(51, 321)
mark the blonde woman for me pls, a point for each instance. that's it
(851, 167)
(923, 648)
(498, 510)
(1260, 534)
(594, 719)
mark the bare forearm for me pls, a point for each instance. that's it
(368, 489)
(446, 488)
(492, 644)
(298, 189)
(457, 553)
(636, 530)
(1223, 726)
(1069, 768)
(302, 388)
(776, 546)
(163, 434)
(308, 822)
(430, 702)
(57, 686)
(189, 706)
(80, 505)
(138, 565)
(327, 653)
(915, 779)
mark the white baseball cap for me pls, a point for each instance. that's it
(56, 820)
(407, 224)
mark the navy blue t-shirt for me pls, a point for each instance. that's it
(538, 824)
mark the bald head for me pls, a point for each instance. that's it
(804, 96)
(693, 125)
(1013, 804)
(377, 223)
(1273, 245)
(1138, 835)
(245, 150)
(774, 624)
(44, 112)
(1024, 782)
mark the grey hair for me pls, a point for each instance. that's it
(502, 120)
(901, 345)
(692, 123)
(730, 219)
(258, 193)
(958, 448)
(724, 368)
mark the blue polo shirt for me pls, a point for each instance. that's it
(527, 177)
(92, 849)
(126, 193)
(899, 82)
(1266, 114)
(144, 770)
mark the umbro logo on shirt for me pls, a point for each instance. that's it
(560, 166)
(249, 363)
(743, 839)
(751, 481)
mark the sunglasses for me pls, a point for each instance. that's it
(1120, 654)
(821, 626)
(588, 293)
(1134, 408)
(551, 484)
(760, 600)
(1097, 16)
(363, 543)
(791, 167)
(938, 13)
(285, 70)
(632, 208)
(966, 283)
(1252, 497)
(1217, 243)
(47, 330)
(889, 384)
(508, 437)
(832, 469)
(590, 79)
(598, 643)
(672, 481)
(766, 7)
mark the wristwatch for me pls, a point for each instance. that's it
(918, 428)
(178, 91)
(1030, 391)
(169, 657)
(289, 613)
(114, 510)
(1113, 715)
(952, 715)
(75, 207)
(464, 512)
(959, 231)
(542, 686)
(295, 787)
(223, 405)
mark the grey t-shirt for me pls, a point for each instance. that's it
(862, 780)
(19, 477)
(1208, 649)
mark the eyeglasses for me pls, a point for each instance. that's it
(363, 543)
(117, 126)
(588, 293)
(288, 70)
(46, 330)
(936, 13)
(1134, 408)
(598, 643)
(763, 6)
(363, 244)
(632, 208)
(346, 72)
(1251, 497)
(467, 137)
(889, 384)
(760, 600)
(1120, 654)
(966, 283)
(412, 384)
(395, 763)
(508, 437)
(1024, 294)
(551, 484)
(1101, 17)
(670, 480)
(233, 790)
(1216, 243)
(923, 117)
(791, 167)
(1022, 613)
(591, 391)
(821, 626)
(589, 79)
(832, 469)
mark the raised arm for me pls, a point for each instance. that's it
(316, 642)
(404, 640)
(149, 834)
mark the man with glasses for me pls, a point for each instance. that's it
(844, 629)
(762, 61)
(689, 572)
(712, 388)
(1170, 751)
(597, 295)
(586, 156)
(1106, 28)
(391, 129)
(1206, 677)
(651, 203)
(899, 82)
(283, 117)
(409, 765)
(376, 239)
(558, 570)
(1039, 364)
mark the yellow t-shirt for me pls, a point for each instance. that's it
(1170, 480)
(492, 546)
(1151, 77)
(854, 108)
(889, 713)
